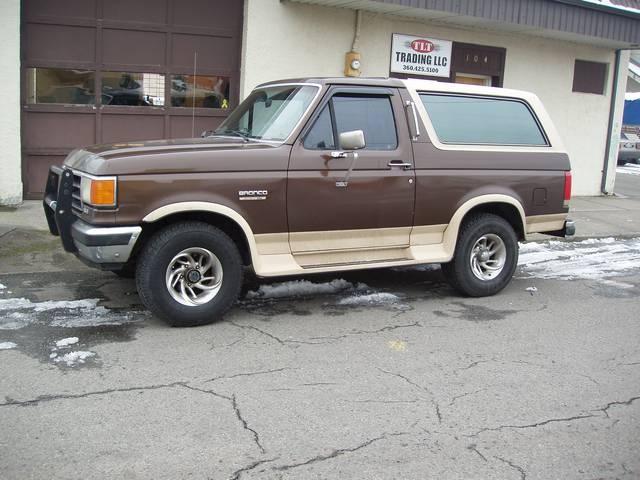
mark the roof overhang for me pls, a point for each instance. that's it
(582, 21)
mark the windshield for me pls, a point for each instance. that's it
(269, 113)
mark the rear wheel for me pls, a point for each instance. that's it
(189, 274)
(485, 258)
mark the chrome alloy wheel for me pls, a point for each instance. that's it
(488, 257)
(194, 276)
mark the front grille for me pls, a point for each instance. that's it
(76, 198)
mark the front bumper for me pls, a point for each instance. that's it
(103, 247)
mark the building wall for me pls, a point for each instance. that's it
(10, 170)
(294, 40)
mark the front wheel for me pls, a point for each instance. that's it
(485, 258)
(189, 274)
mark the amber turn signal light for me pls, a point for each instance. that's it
(98, 192)
(103, 192)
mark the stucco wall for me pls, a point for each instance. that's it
(10, 171)
(285, 40)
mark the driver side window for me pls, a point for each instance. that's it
(373, 114)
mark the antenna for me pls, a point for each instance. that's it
(193, 96)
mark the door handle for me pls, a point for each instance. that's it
(399, 163)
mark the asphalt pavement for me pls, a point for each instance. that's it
(382, 374)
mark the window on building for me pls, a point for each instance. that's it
(132, 89)
(200, 91)
(371, 114)
(482, 120)
(61, 86)
(320, 137)
(589, 77)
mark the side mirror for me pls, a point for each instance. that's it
(353, 140)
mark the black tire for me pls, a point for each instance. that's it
(158, 253)
(459, 273)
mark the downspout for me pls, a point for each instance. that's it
(612, 111)
(352, 58)
(356, 35)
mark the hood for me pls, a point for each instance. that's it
(219, 153)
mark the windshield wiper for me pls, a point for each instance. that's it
(236, 133)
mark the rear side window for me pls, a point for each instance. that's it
(482, 120)
(373, 114)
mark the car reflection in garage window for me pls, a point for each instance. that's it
(199, 91)
(61, 86)
(133, 89)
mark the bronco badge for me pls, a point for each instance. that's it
(253, 194)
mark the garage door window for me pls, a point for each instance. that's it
(55, 85)
(482, 120)
(132, 89)
(199, 91)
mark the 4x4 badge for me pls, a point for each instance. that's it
(253, 194)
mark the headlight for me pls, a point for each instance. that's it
(98, 191)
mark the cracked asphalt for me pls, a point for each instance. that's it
(529, 384)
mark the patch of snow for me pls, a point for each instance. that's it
(7, 345)
(2, 287)
(15, 321)
(592, 259)
(616, 284)
(65, 342)
(61, 313)
(531, 289)
(72, 359)
(15, 304)
(379, 298)
(53, 355)
(298, 288)
(24, 303)
(629, 169)
(97, 317)
(66, 304)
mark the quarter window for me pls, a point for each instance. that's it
(482, 120)
(320, 137)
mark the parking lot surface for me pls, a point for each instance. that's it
(373, 374)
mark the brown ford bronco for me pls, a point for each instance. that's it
(319, 175)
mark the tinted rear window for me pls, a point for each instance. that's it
(482, 120)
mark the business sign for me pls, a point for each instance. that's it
(420, 56)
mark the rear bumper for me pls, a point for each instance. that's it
(568, 230)
(102, 247)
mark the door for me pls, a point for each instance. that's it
(103, 71)
(346, 210)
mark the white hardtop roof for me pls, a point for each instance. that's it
(446, 87)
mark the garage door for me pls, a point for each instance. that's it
(102, 71)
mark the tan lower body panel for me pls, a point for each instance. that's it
(338, 250)
(545, 223)
(302, 252)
